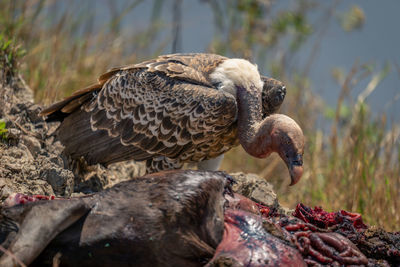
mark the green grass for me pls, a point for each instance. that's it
(354, 165)
(3, 131)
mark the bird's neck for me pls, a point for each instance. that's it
(253, 132)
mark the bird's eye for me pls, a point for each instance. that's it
(217, 85)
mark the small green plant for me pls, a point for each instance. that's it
(3, 131)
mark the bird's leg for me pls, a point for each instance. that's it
(210, 164)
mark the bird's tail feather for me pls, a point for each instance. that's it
(61, 109)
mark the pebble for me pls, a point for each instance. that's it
(32, 144)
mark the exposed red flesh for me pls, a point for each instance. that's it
(17, 198)
(246, 243)
(323, 219)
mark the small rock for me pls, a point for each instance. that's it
(14, 110)
(41, 187)
(13, 153)
(61, 180)
(9, 124)
(23, 151)
(5, 191)
(29, 170)
(255, 188)
(33, 113)
(13, 136)
(23, 106)
(57, 160)
(94, 181)
(14, 167)
(32, 144)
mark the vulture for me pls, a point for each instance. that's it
(176, 109)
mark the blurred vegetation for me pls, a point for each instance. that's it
(10, 53)
(352, 163)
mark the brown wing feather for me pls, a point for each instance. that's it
(72, 100)
(193, 67)
(159, 115)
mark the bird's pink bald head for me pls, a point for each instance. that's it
(281, 134)
(287, 140)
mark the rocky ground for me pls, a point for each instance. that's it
(32, 162)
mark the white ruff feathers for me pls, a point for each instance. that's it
(236, 72)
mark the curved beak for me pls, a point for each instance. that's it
(295, 166)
